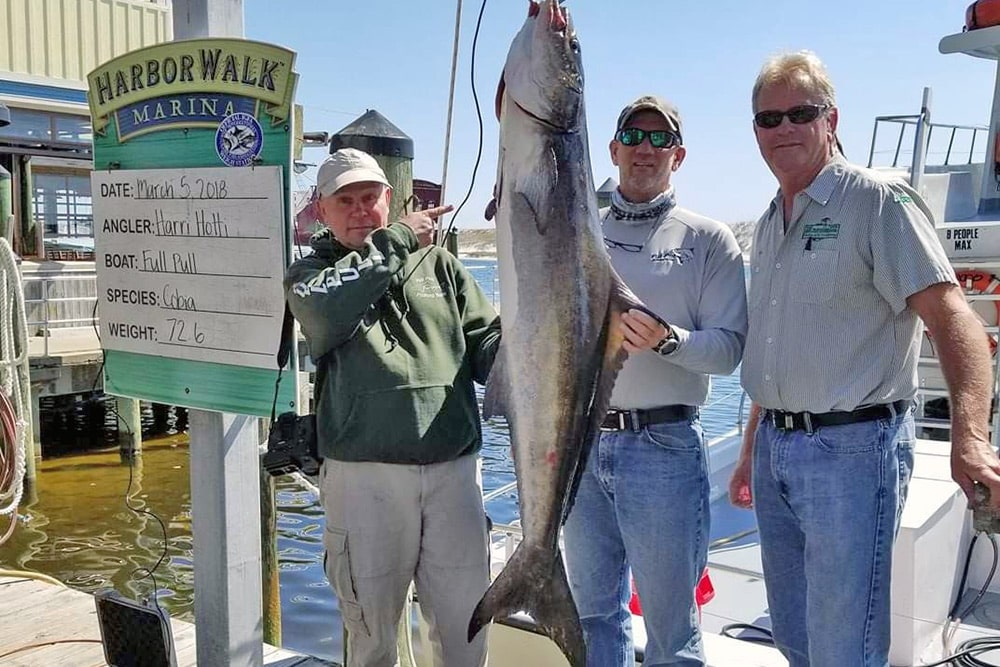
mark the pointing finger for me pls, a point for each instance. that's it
(437, 211)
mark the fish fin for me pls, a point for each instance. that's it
(611, 363)
(522, 209)
(491, 208)
(498, 101)
(621, 300)
(535, 583)
(495, 398)
(624, 299)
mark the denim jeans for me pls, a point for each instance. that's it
(642, 502)
(828, 506)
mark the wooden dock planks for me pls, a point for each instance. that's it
(32, 612)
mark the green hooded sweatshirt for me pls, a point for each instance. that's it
(398, 335)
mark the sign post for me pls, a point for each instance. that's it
(192, 157)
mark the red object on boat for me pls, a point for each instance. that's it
(982, 14)
(703, 593)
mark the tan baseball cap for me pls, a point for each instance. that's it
(347, 166)
(652, 103)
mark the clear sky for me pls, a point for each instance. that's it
(395, 56)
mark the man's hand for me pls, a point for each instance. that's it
(740, 488)
(967, 366)
(422, 223)
(740, 493)
(641, 331)
(973, 460)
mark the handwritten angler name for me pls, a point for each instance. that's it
(206, 225)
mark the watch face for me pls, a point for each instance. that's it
(666, 346)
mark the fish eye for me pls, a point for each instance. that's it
(574, 44)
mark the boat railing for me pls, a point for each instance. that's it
(958, 137)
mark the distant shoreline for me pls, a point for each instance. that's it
(476, 253)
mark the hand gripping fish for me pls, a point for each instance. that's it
(561, 305)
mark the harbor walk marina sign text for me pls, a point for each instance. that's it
(166, 85)
(192, 156)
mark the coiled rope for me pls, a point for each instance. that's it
(14, 387)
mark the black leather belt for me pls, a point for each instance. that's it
(810, 421)
(636, 420)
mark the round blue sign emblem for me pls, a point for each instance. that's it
(239, 139)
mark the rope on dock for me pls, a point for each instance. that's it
(14, 380)
(31, 647)
(36, 576)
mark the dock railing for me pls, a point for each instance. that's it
(51, 313)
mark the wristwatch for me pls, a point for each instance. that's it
(667, 344)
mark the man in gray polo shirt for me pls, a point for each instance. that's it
(845, 264)
(643, 498)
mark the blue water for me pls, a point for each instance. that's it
(311, 623)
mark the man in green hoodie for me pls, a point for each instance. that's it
(399, 331)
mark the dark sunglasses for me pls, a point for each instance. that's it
(633, 136)
(627, 247)
(798, 115)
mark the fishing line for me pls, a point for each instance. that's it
(479, 119)
(479, 148)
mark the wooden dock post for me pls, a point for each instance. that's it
(129, 428)
(271, 601)
(33, 440)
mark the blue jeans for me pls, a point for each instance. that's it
(828, 507)
(642, 502)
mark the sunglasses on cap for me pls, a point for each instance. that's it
(798, 115)
(633, 136)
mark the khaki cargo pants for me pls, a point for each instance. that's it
(388, 524)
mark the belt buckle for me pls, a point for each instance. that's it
(621, 420)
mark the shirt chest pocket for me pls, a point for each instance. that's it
(814, 276)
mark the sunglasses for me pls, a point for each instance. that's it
(627, 247)
(633, 136)
(798, 115)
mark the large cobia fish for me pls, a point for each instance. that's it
(561, 346)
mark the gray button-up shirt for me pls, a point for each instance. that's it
(829, 326)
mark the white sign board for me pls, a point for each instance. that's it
(971, 241)
(190, 262)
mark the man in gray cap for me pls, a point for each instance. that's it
(399, 330)
(642, 503)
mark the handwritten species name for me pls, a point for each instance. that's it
(173, 298)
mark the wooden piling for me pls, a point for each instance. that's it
(129, 428)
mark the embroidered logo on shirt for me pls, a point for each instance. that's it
(673, 256)
(428, 288)
(822, 230)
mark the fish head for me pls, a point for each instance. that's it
(543, 74)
